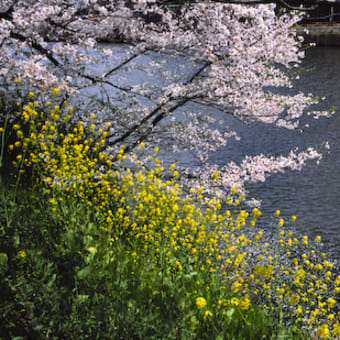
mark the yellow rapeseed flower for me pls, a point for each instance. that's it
(234, 301)
(207, 314)
(244, 303)
(323, 331)
(201, 302)
(331, 302)
(22, 253)
(55, 90)
(336, 329)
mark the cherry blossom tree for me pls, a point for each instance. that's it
(233, 55)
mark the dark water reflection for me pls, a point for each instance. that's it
(313, 194)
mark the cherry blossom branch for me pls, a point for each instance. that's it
(36, 46)
(160, 112)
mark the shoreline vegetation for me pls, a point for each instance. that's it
(95, 249)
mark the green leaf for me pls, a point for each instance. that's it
(230, 314)
(16, 240)
(3, 263)
(82, 298)
(83, 273)
(51, 281)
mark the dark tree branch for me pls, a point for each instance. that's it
(126, 61)
(158, 113)
(36, 46)
(154, 122)
(8, 14)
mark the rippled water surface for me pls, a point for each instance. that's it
(313, 194)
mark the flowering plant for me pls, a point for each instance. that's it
(126, 255)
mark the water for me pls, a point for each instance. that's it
(313, 194)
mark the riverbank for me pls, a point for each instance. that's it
(323, 34)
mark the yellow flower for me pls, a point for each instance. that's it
(244, 303)
(323, 331)
(22, 253)
(207, 314)
(201, 302)
(331, 302)
(318, 266)
(235, 287)
(299, 310)
(294, 299)
(55, 90)
(52, 201)
(336, 329)
(331, 317)
(234, 301)
(277, 213)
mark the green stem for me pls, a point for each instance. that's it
(3, 141)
